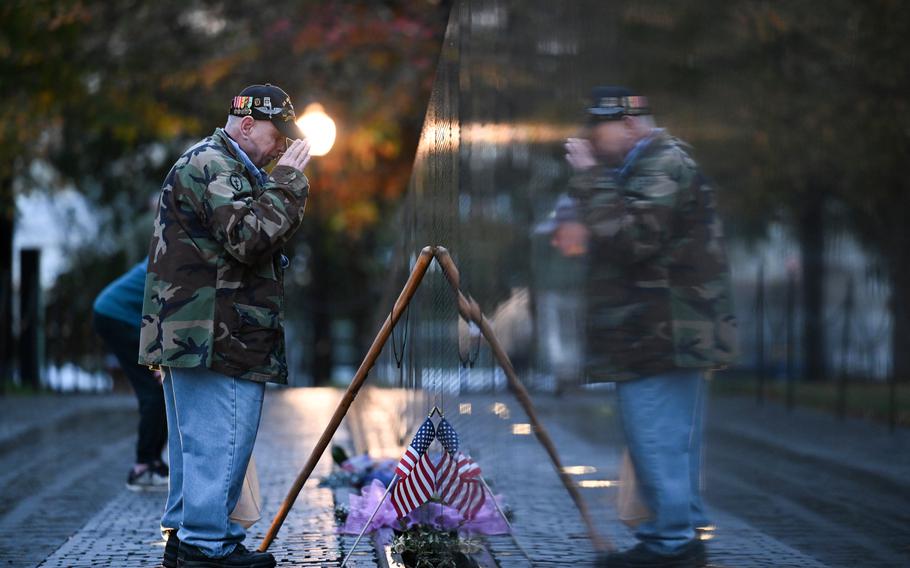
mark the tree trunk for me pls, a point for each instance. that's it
(31, 319)
(7, 225)
(812, 249)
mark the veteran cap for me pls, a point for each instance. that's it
(613, 103)
(564, 211)
(268, 102)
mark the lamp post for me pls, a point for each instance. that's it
(319, 129)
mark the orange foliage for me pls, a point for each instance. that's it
(372, 71)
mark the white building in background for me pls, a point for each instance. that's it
(56, 222)
(868, 353)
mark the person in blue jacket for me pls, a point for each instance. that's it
(117, 314)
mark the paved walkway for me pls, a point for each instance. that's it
(61, 459)
(546, 523)
(124, 532)
(800, 489)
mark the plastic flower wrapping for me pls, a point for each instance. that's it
(359, 471)
(434, 515)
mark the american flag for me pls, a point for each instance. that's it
(448, 437)
(458, 477)
(422, 440)
(416, 471)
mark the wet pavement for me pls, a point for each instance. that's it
(785, 489)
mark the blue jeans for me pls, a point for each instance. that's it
(662, 416)
(212, 423)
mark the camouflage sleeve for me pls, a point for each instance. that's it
(252, 228)
(581, 185)
(634, 223)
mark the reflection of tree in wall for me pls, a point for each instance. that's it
(877, 134)
(793, 104)
(109, 93)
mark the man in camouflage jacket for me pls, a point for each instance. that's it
(659, 311)
(213, 313)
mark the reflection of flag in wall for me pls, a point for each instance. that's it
(417, 474)
(458, 477)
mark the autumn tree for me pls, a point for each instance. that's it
(108, 93)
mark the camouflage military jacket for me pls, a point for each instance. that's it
(214, 289)
(658, 284)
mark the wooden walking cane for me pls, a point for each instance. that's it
(470, 310)
(407, 293)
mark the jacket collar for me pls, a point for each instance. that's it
(657, 138)
(236, 152)
(222, 138)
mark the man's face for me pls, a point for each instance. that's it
(570, 238)
(611, 140)
(266, 143)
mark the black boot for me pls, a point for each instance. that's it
(692, 555)
(170, 550)
(191, 557)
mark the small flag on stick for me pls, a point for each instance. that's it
(418, 474)
(458, 477)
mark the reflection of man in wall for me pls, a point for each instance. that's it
(658, 307)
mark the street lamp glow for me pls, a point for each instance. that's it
(319, 129)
